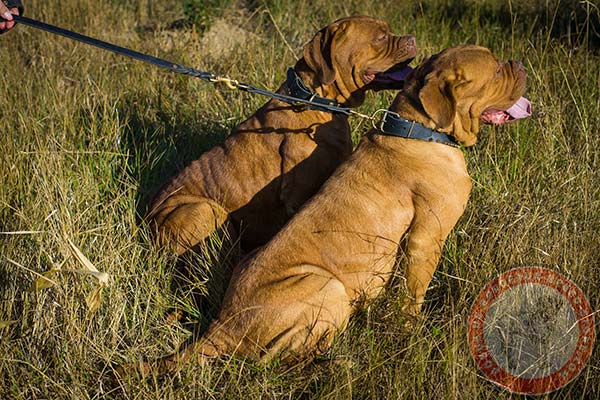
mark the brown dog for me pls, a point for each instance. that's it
(279, 157)
(296, 293)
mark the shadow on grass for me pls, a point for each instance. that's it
(161, 143)
(201, 279)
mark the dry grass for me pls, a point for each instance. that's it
(87, 136)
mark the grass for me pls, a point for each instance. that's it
(87, 137)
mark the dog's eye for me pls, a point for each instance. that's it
(381, 38)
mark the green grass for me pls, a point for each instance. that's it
(87, 136)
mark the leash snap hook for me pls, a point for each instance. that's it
(230, 83)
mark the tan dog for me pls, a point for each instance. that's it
(280, 156)
(296, 293)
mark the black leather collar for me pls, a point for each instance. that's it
(297, 88)
(394, 125)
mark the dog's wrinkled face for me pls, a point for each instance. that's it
(463, 86)
(352, 51)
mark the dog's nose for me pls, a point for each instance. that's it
(411, 41)
(410, 45)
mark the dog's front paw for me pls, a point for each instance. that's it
(411, 310)
(410, 322)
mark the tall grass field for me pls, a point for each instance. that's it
(86, 138)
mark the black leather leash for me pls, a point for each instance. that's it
(318, 103)
(180, 69)
(299, 94)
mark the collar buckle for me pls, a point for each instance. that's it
(383, 121)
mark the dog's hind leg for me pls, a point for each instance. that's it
(183, 221)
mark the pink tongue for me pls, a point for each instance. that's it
(521, 109)
(395, 76)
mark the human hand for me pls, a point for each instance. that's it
(7, 22)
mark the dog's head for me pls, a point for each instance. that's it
(352, 51)
(463, 86)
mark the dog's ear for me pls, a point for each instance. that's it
(440, 97)
(318, 54)
(437, 99)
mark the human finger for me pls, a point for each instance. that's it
(11, 22)
(4, 12)
(6, 20)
